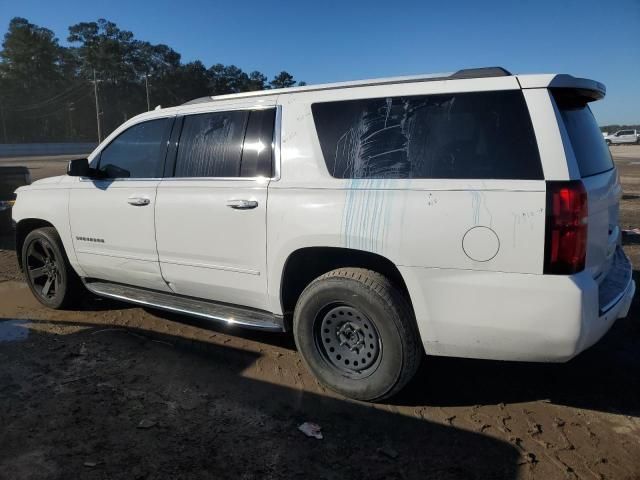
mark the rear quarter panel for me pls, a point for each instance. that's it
(414, 223)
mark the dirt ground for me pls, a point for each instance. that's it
(112, 391)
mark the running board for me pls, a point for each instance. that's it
(227, 314)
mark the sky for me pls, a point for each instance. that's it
(327, 40)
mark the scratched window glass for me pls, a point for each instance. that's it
(480, 135)
(138, 152)
(211, 145)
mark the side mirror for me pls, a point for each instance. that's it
(78, 168)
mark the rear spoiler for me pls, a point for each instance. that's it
(590, 90)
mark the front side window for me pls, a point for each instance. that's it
(211, 144)
(138, 152)
(479, 135)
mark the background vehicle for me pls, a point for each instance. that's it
(10, 179)
(623, 136)
(368, 217)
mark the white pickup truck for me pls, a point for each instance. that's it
(623, 136)
(471, 214)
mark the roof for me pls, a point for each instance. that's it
(526, 81)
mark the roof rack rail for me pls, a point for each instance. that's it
(483, 72)
(466, 73)
(197, 100)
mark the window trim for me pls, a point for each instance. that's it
(170, 164)
(165, 139)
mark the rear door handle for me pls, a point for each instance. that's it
(242, 204)
(138, 201)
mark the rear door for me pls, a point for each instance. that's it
(211, 214)
(599, 177)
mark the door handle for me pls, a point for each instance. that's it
(138, 201)
(242, 204)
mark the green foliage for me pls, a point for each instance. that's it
(47, 90)
(282, 80)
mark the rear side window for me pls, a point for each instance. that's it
(589, 147)
(479, 135)
(138, 152)
(257, 152)
(211, 144)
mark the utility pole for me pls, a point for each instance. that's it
(95, 93)
(4, 125)
(146, 86)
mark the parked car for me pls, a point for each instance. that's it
(623, 136)
(473, 214)
(10, 179)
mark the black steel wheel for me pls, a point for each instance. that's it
(47, 271)
(356, 333)
(348, 341)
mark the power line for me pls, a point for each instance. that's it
(60, 109)
(44, 103)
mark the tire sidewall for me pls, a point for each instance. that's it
(352, 293)
(59, 299)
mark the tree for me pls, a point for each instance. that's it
(105, 48)
(47, 91)
(257, 81)
(33, 69)
(282, 80)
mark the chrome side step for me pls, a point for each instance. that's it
(227, 314)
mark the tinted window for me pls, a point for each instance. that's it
(485, 135)
(589, 147)
(257, 153)
(138, 152)
(211, 145)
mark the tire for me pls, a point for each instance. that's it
(47, 271)
(337, 320)
(608, 142)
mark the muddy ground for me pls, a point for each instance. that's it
(111, 391)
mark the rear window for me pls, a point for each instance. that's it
(591, 151)
(479, 135)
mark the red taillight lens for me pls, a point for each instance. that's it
(566, 236)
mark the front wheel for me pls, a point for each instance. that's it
(357, 333)
(47, 271)
(608, 142)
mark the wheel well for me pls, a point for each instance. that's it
(306, 264)
(23, 228)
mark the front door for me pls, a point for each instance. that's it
(211, 215)
(112, 215)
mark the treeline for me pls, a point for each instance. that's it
(615, 128)
(47, 91)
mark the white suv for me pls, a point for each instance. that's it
(472, 214)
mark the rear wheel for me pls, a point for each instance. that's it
(357, 334)
(47, 270)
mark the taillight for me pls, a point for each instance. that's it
(566, 235)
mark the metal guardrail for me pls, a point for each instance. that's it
(37, 149)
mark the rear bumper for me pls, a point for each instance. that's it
(509, 316)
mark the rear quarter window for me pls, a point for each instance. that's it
(590, 149)
(479, 135)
